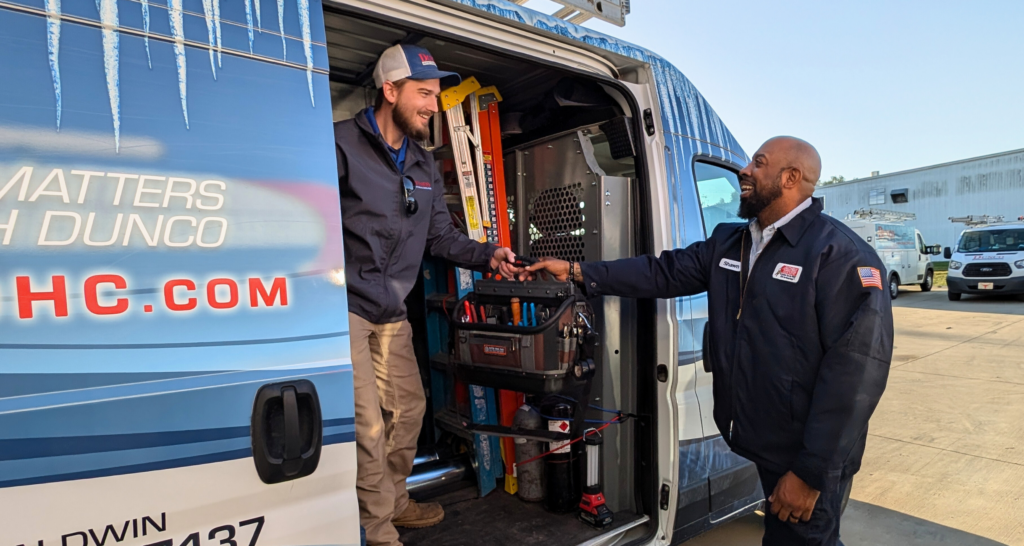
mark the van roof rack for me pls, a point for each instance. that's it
(976, 220)
(580, 11)
(880, 214)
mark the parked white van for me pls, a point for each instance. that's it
(987, 260)
(902, 249)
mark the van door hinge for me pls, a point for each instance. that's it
(664, 497)
(649, 122)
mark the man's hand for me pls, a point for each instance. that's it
(502, 261)
(559, 269)
(793, 500)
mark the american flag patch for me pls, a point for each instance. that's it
(869, 277)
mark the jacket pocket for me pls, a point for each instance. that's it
(799, 402)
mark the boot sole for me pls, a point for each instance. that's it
(419, 524)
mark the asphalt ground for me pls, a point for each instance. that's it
(945, 454)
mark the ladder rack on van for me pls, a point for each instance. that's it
(883, 215)
(976, 220)
(578, 12)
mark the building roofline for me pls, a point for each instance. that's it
(918, 169)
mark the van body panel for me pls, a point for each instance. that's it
(901, 248)
(175, 245)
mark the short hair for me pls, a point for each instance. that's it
(379, 102)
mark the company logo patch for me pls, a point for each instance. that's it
(427, 60)
(731, 265)
(422, 185)
(496, 350)
(788, 273)
(869, 277)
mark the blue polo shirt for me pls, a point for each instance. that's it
(399, 154)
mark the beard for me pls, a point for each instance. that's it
(408, 122)
(762, 196)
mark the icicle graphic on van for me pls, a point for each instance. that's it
(259, 21)
(145, 28)
(216, 28)
(280, 26)
(176, 17)
(307, 44)
(111, 63)
(248, 21)
(210, 33)
(53, 48)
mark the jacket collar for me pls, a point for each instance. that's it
(796, 227)
(414, 154)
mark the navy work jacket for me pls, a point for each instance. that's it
(384, 245)
(799, 371)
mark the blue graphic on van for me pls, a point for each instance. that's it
(154, 276)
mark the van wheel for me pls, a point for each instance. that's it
(953, 296)
(894, 286)
(926, 286)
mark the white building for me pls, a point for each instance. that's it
(991, 184)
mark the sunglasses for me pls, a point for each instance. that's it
(408, 187)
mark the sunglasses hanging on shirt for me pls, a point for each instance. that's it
(408, 187)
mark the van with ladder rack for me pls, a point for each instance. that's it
(988, 258)
(174, 351)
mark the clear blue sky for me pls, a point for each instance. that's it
(875, 85)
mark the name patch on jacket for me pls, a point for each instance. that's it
(731, 265)
(788, 273)
(422, 185)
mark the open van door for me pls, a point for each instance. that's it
(174, 358)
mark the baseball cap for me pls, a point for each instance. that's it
(408, 61)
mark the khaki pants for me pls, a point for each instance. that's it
(389, 403)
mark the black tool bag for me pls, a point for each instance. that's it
(552, 357)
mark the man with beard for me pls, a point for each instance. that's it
(393, 208)
(800, 335)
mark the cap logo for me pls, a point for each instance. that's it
(427, 60)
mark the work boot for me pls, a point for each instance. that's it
(417, 516)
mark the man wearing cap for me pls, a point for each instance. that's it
(393, 208)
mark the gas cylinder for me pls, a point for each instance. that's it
(530, 476)
(560, 467)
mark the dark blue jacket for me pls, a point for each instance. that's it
(799, 371)
(383, 244)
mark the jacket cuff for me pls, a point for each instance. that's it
(485, 265)
(813, 474)
(590, 285)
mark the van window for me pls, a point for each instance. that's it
(920, 245)
(718, 189)
(992, 240)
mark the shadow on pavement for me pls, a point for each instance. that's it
(863, 525)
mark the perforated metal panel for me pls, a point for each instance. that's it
(556, 223)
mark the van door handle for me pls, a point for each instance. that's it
(286, 431)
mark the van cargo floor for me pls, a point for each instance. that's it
(503, 520)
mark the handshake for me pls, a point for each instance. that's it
(527, 269)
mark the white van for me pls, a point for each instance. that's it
(174, 350)
(902, 249)
(987, 260)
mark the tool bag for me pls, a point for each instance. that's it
(550, 353)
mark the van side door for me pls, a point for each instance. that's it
(174, 355)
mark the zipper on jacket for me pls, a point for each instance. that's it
(739, 320)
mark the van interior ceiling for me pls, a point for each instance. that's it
(568, 147)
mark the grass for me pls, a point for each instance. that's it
(940, 269)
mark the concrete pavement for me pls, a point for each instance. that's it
(945, 455)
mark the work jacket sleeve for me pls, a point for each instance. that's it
(856, 332)
(675, 273)
(444, 240)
